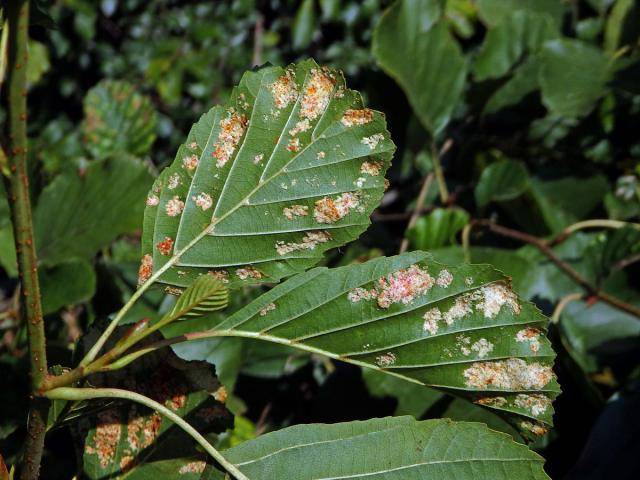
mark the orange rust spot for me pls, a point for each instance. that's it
(165, 246)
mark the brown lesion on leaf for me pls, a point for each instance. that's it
(248, 272)
(105, 440)
(232, 128)
(530, 336)
(309, 242)
(165, 246)
(371, 168)
(125, 432)
(146, 269)
(538, 429)
(491, 401)
(284, 90)
(295, 211)
(330, 210)
(197, 467)
(357, 117)
(510, 374)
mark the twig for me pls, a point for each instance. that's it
(257, 40)
(594, 223)
(625, 262)
(545, 248)
(562, 304)
(20, 203)
(426, 185)
(437, 168)
(66, 393)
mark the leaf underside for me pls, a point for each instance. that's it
(387, 448)
(458, 329)
(291, 166)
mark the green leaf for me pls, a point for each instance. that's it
(66, 283)
(572, 77)
(523, 82)
(206, 294)
(390, 448)
(493, 12)
(566, 200)
(458, 329)
(304, 25)
(438, 228)
(118, 119)
(80, 212)
(292, 166)
(501, 181)
(431, 69)
(38, 63)
(505, 45)
(622, 26)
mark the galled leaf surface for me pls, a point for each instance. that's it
(118, 120)
(418, 52)
(127, 438)
(393, 448)
(458, 329)
(291, 166)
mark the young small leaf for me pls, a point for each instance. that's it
(291, 166)
(206, 294)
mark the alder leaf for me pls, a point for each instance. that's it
(458, 329)
(392, 448)
(291, 166)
